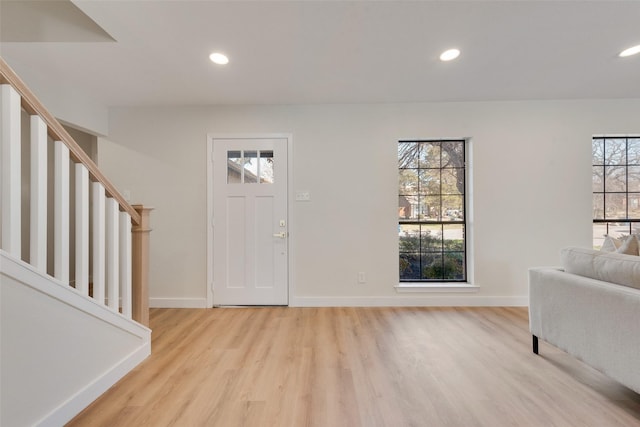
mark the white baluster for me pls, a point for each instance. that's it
(82, 229)
(11, 174)
(113, 258)
(98, 241)
(38, 239)
(125, 263)
(61, 213)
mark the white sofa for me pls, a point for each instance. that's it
(590, 308)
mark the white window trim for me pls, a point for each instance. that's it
(416, 287)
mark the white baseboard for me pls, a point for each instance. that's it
(410, 301)
(75, 404)
(399, 301)
(178, 302)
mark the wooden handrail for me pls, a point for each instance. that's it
(33, 106)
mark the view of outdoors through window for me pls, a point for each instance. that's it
(250, 167)
(431, 210)
(616, 187)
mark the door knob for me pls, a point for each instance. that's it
(281, 235)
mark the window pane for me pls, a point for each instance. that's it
(409, 238)
(598, 206)
(431, 238)
(429, 181)
(598, 172)
(615, 178)
(234, 167)
(408, 154)
(453, 154)
(250, 167)
(615, 151)
(634, 205)
(453, 181)
(453, 265)
(429, 155)
(619, 229)
(453, 235)
(404, 207)
(430, 208)
(615, 206)
(432, 266)
(599, 231)
(410, 267)
(416, 208)
(633, 178)
(633, 151)
(266, 167)
(452, 208)
(408, 181)
(598, 151)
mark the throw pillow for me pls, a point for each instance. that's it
(611, 244)
(629, 246)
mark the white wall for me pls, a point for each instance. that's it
(63, 100)
(531, 189)
(60, 350)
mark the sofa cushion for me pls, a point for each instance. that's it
(611, 267)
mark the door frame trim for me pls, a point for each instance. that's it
(211, 137)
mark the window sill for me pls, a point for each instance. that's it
(408, 287)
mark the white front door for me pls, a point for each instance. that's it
(250, 237)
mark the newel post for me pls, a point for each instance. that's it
(140, 266)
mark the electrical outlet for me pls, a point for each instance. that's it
(362, 278)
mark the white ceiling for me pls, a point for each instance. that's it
(302, 52)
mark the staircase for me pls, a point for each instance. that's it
(73, 269)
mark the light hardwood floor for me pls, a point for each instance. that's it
(331, 367)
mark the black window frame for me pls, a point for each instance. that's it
(446, 255)
(621, 224)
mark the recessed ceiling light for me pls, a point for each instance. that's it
(450, 54)
(631, 51)
(219, 58)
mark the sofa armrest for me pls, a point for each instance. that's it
(595, 321)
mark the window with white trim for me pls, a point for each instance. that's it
(432, 211)
(616, 187)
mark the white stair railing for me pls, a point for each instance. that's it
(119, 231)
(11, 171)
(38, 223)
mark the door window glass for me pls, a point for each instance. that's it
(250, 167)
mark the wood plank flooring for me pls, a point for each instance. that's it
(333, 367)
